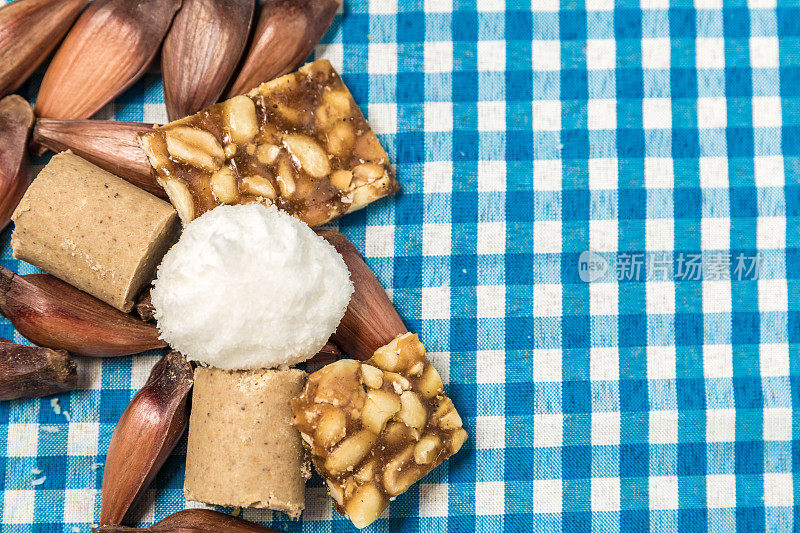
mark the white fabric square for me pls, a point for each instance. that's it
(141, 366)
(599, 5)
(490, 432)
(547, 175)
(22, 440)
(439, 176)
(660, 362)
(154, 113)
(713, 172)
(82, 438)
(602, 114)
(18, 506)
(663, 427)
(433, 499)
(491, 56)
(708, 4)
(720, 425)
(767, 112)
(542, 5)
(717, 296)
(660, 297)
(488, 6)
(491, 301)
(605, 494)
(654, 4)
(491, 365)
(717, 361)
(90, 370)
(712, 112)
(601, 54)
(778, 489)
(438, 116)
(761, 4)
(664, 492)
(383, 118)
(657, 113)
(603, 173)
(604, 363)
(547, 299)
(768, 170)
(603, 235)
(764, 52)
(379, 241)
(605, 428)
(546, 55)
(716, 233)
(547, 236)
(603, 298)
(710, 53)
(658, 173)
(436, 239)
(777, 424)
(490, 498)
(546, 115)
(491, 238)
(774, 359)
(333, 52)
(721, 491)
(383, 6)
(79, 505)
(438, 56)
(548, 430)
(656, 52)
(435, 303)
(546, 496)
(491, 176)
(438, 6)
(773, 295)
(491, 116)
(771, 233)
(660, 234)
(546, 364)
(441, 362)
(383, 58)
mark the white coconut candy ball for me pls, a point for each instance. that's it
(249, 286)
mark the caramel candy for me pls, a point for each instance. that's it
(93, 230)
(242, 449)
(299, 141)
(375, 428)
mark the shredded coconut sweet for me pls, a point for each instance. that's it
(249, 286)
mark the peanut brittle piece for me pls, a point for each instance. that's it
(375, 428)
(299, 142)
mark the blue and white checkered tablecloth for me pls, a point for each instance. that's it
(647, 384)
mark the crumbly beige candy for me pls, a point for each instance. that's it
(93, 229)
(299, 142)
(375, 428)
(242, 449)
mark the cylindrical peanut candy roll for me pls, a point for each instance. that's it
(243, 450)
(93, 229)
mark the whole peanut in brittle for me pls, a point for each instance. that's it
(375, 428)
(299, 142)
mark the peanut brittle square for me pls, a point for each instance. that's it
(375, 428)
(299, 142)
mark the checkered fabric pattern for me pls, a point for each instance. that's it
(524, 135)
